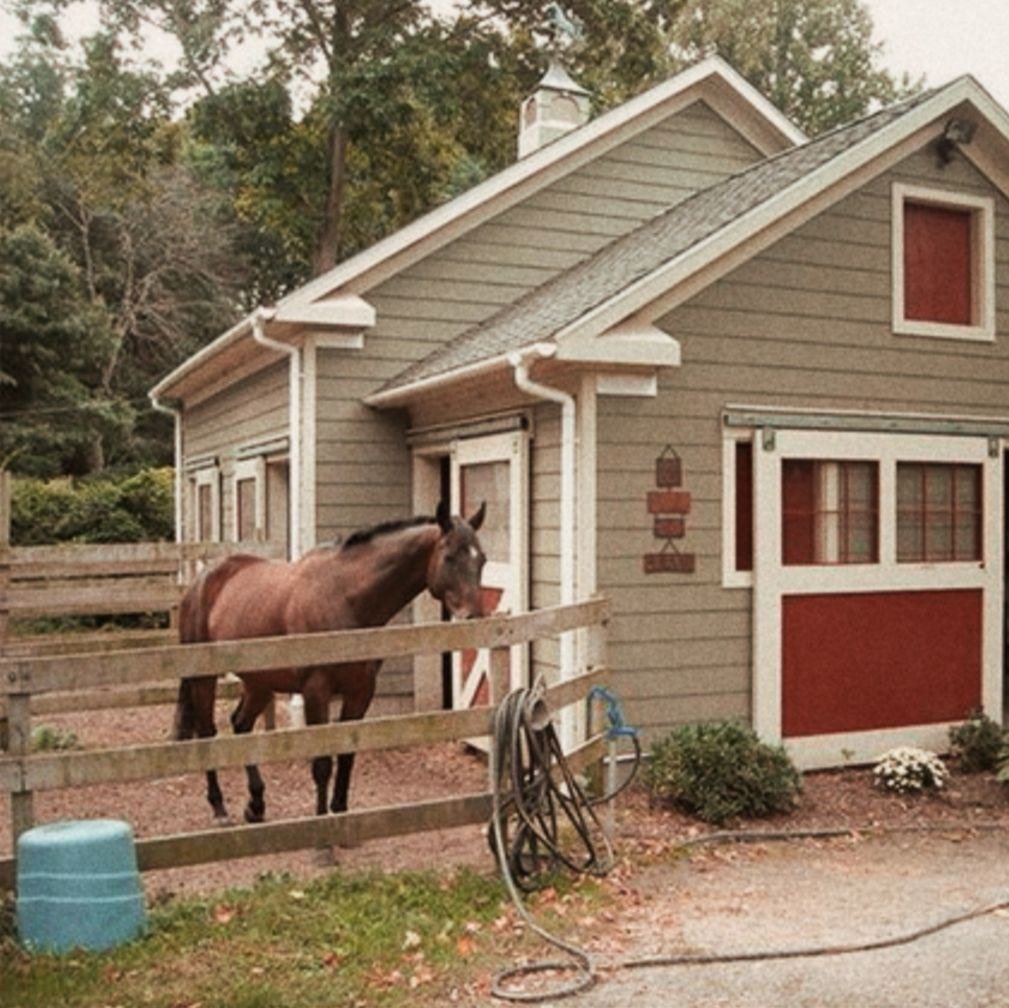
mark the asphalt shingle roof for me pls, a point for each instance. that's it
(544, 311)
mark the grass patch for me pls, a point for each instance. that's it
(364, 940)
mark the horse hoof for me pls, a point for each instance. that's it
(223, 821)
(252, 816)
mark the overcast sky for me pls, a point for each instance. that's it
(941, 39)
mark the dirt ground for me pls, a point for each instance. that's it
(177, 804)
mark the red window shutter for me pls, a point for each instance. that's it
(744, 506)
(937, 264)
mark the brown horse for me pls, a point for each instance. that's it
(364, 583)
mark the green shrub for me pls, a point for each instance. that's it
(976, 742)
(136, 508)
(721, 770)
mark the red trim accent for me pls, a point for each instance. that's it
(879, 660)
(669, 528)
(744, 505)
(937, 264)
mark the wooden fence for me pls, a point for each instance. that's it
(121, 676)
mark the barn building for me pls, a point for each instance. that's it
(752, 387)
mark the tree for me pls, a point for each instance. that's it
(151, 256)
(814, 59)
(52, 345)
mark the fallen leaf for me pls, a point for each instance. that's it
(465, 946)
(411, 940)
(223, 914)
(296, 894)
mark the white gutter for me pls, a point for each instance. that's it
(176, 413)
(259, 319)
(520, 362)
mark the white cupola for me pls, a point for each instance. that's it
(557, 106)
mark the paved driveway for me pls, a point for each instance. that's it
(803, 894)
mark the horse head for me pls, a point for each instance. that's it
(457, 563)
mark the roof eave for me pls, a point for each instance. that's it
(414, 238)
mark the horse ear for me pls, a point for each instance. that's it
(477, 520)
(444, 516)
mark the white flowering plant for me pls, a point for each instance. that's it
(908, 768)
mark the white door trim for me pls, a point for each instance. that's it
(773, 580)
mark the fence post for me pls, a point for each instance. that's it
(595, 657)
(20, 743)
(499, 672)
(5, 577)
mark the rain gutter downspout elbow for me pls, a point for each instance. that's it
(520, 362)
(259, 319)
(175, 412)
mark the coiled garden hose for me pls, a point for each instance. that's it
(534, 794)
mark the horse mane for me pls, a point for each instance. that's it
(368, 535)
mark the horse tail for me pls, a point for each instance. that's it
(194, 627)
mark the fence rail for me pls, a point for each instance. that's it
(27, 682)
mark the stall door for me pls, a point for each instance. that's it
(493, 469)
(877, 573)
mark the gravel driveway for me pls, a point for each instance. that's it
(806, 893)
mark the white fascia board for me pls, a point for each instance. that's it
(403, 394)
(199, 358)
(640, 345)
(637, 296)
(346, 312)
(486, 195)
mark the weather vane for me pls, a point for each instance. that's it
(562, 26)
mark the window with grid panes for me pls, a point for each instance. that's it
(830, 512)
(938, 512)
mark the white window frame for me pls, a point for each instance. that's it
(982, 209)
(773, 580)
(732, 578)
(207, 476)
(254, 469)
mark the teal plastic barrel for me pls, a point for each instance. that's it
(78, 886)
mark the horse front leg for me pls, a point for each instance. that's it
(243, 719)
(356, 699)
(196, 717)
(318, 693)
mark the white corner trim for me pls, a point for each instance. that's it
(639, 344)
(638, 385)
(982, 259)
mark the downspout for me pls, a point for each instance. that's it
(520, 362)
(176, 413)
(296, 702)
(259, 319)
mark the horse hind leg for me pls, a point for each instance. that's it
(355, 705)
(243, 719)
(317, 696)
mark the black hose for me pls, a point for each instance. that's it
(534, 793)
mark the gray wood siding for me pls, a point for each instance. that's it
(252, 410)
(363, 464)
(807, 324)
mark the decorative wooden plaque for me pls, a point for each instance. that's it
(668, 469)
(671, 563)
(670, 528)
(664, 502)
